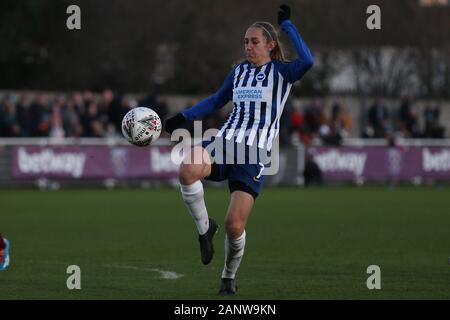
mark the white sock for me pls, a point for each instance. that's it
(193, 198)
(234, 251)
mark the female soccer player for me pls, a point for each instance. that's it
(259, 87)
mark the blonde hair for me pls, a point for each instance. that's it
(270, 34)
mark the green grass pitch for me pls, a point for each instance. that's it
(301, 244)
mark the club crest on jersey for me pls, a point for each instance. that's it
(260, 76)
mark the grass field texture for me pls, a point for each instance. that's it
(301, 244)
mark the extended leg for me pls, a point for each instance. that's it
(195, 167)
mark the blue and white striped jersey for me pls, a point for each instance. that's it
(259, 95)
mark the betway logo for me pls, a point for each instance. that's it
(439, 161)
(336, 161)
(46, 161)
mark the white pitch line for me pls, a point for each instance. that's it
(164, 274)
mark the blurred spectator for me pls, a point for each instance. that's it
(409, 125)
(57, 130)
(78, 102)
(297, 120)
(339, 126)
(71, 119)
(88, 97)
(432, 127)
(298, 133)
(111, 106)
(9, 126)
(24, 118)
(314, 118)
(341, 120)
(56, 123)
(149, 101)
(377, 125)
(91, 121)
(40, 115)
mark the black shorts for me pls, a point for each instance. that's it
(241, 177)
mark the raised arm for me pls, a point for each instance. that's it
(296, 69)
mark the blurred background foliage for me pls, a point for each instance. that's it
(180, 47)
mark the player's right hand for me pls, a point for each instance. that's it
(174, 123)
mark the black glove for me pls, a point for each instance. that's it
(176, 122)
(284, 14)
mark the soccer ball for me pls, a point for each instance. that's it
(141, 126)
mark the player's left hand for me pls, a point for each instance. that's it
(284, 14)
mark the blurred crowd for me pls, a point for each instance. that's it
(314, 123)
(407, 122)
(80, 114)
(85, 114)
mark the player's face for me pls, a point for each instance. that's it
(257, 48)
